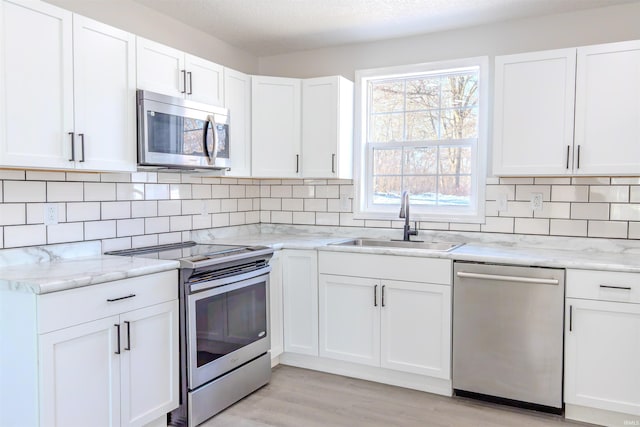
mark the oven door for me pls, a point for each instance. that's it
(175, 132)
(227, 327)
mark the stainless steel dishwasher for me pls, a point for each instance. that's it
(508, 334)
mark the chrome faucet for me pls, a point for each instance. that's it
(404, 213)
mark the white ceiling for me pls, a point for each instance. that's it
(267, 27)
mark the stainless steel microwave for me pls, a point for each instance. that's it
(179, 133)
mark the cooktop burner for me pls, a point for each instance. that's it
(191, 253)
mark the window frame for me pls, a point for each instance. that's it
(363, 168)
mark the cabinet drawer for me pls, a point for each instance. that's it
(66, 308)
(412, 269)
(603, 285)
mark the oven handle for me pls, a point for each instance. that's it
(217, 283)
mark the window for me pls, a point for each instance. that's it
(420, 129)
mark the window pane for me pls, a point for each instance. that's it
(460, 90)
(386, 127)
(422, 189)
(422, 126)
(387, 162)
(423, 94)
(455, 190)
(387, 96)
(455, 160)
(386, 190)
(423, 160)
(459, 123)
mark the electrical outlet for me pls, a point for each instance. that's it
(50, 214)
(502, 202)
(536, 201)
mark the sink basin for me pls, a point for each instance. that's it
(431, 246)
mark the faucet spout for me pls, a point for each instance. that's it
(404, 213)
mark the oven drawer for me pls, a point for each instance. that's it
(59, 310)
(604, 285)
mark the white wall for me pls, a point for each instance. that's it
(592, 26)
(143, 21)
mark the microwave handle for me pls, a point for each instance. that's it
(211, 157)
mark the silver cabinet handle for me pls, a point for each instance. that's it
(578, 167)
(375, 295)
(297, 163)
(128, 347)
(570, 318)
(118, 333)
(73, 147)
(184, 81)
(333, 163)
(568, 150)
(121, 298)
(501, 278)
(622, 288)
(190, 83)
(382, 297)
(81, 135)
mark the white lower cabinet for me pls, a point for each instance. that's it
(388, 312)
(602, 344)
(300, 301)
(97, 362)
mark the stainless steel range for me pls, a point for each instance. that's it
(224, 324)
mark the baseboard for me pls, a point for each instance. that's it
(380, 375)
(600, 416)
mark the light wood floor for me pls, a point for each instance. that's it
(303, 398)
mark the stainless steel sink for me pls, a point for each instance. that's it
(431, 246)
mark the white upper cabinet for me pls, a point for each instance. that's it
(169, 71)
(104, 96)
(327, 127)
(237, 90)
(607, 132)
(69, 102)
(533, 113)
(275, 136)
(542, 126)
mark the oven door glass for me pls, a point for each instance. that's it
(228, 326)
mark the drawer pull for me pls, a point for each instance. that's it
(118, 299)
(128, 347)
(622, 288)
(118, 334)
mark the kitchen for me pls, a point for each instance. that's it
(73, 207)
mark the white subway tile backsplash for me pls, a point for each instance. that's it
(590, 211)
(327, 191)
(193, 179)
(146, 240)
(9, 174)
(614, 193)
(265, 191)
(306, 218)
(552, 180)
(531, 226)
(116, 244)
(156, 191)
(521, 181)
(281, 191)
(625, 212)
(497, 225)
(267, 204)
(199, 222)
(634, 230)
(35, 213)
(237, 191)
(116, 210)
(165, 238)
(115, 177)
(524, 192)
(129, 191)
(315, 205)
(45, 176)
(335, 205)
(24, 235)
(554, 210)
(625, 180)
(591, 180)
(229, 205)
(65, 232)
(24, 191)
(144, 208)
(129, 227)
(219, 191)
(570, 193)
(493, 192)
(158, 224)
(169, 207)
(98, 192)
(13, 214)
(327, 218)
(518, 209)
(230, 181)
(464, 227)
(219, 220)
(237, 218)
(245, 205)
(281, 217)
(265, 217)
(82, 177)
(144, 177)
(609, 229)
(429, 225)
(65, 192)
(252, 217)
(169, 178)
(180, 223)
(377, 223)
(567, 227)
(94, 230)
(83, 211)
(303, 191)
(347, 220)
(252, 191)
(201, 191)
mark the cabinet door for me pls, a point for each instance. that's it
(602, 343)
(350, 319)
(416, 328)
(150, 363)
(533, 113)
(275, 305)
(608, 109)
(160, 68)
(36, 85)
(300, 301)
(80, 375)
(327, 127)
(237, 98)
(275, 105)
(204, 80)
(104, 95)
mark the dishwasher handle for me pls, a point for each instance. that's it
(502, 278)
